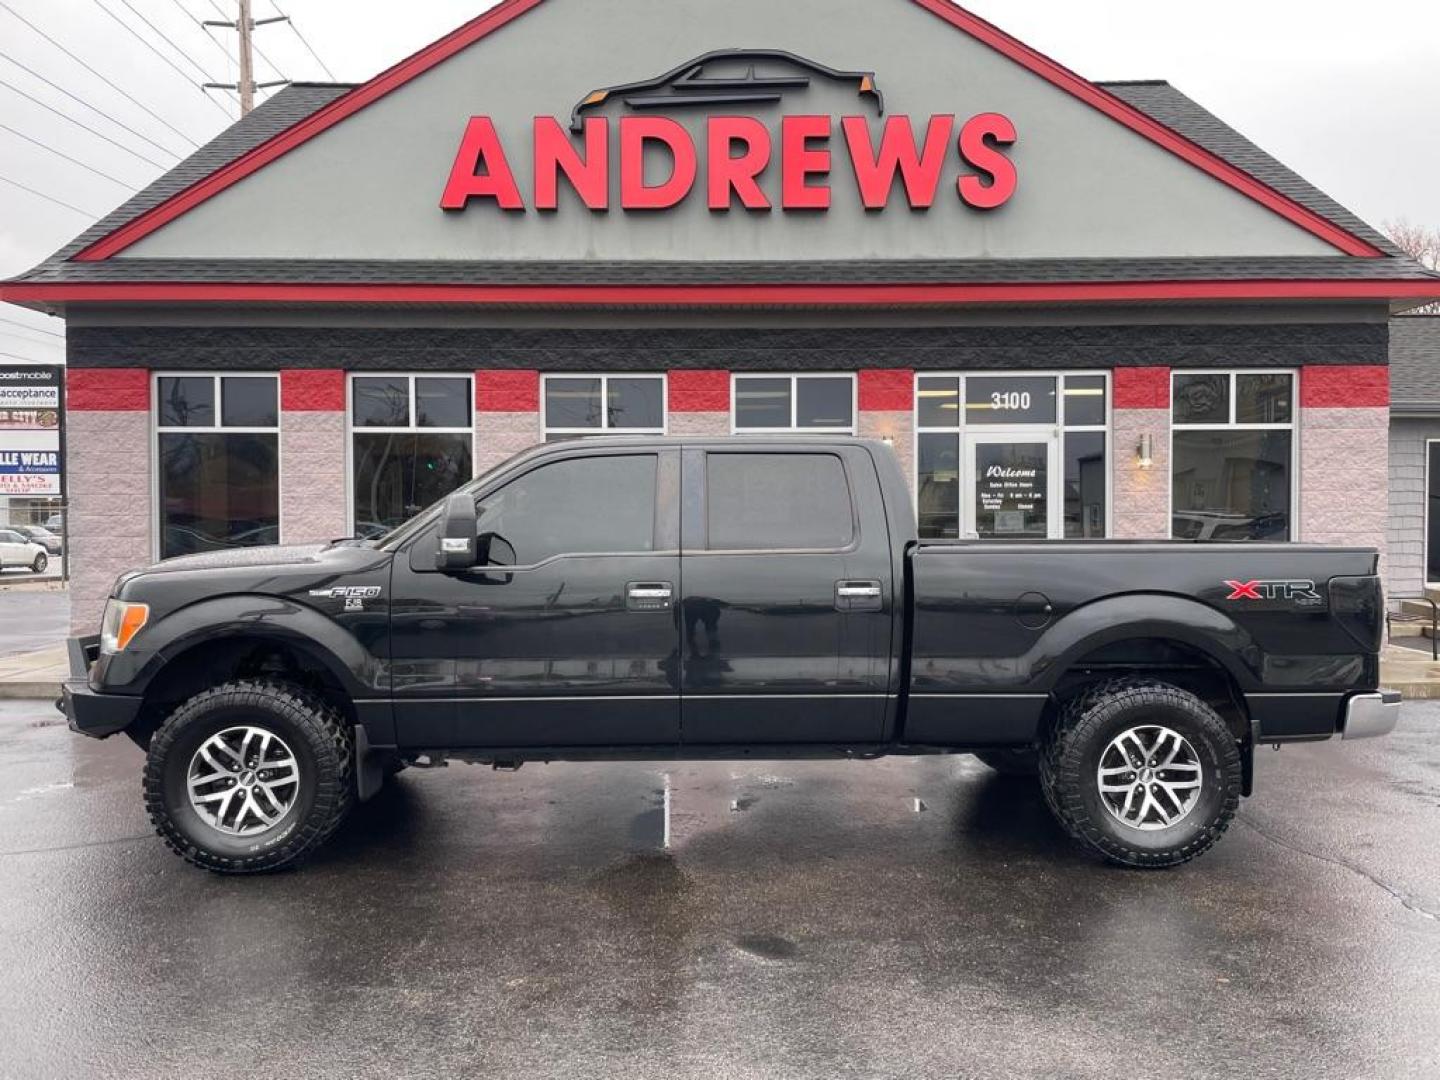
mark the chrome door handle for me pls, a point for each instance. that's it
(648, 595)
(859, 596)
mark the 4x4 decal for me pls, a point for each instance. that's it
(1298, 591)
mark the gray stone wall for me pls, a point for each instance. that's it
(107, 461)
(1343, 467)
(1405, 533)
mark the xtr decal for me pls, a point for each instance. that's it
(1296, 591)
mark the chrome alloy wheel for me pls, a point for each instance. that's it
(1149, 777)
(243, 780)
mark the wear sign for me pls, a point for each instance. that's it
(30, 422)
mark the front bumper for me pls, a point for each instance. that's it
(86, 710)
(1369, 715)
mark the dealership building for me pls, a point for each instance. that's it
(1075, 309)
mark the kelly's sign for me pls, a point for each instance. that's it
(968, 157)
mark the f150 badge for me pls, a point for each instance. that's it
(353, 595)
(1299, 592)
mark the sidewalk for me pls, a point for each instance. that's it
(34, 674)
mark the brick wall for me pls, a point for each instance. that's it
(312, 456)
(699, 402)
(1344, 455)
(886, 400)
(507, 415)
(108, 477)
(1141, 406)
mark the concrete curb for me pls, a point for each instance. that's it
(42, 691)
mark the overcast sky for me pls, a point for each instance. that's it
(1347, 94)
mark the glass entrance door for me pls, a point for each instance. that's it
(1012, 486)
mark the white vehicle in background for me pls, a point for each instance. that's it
(16, 550)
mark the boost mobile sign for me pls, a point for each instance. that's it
(30, 421)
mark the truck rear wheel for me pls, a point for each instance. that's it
(1141, 771)
(249, 776)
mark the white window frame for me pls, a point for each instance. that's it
(605, 427)
(215, 428)
(1293, 427)
(1059, 429)
(737, 376)
(351, 430)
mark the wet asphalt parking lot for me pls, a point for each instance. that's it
(904, 918)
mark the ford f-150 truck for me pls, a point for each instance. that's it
(634, 598)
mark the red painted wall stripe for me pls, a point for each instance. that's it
(107, 389)
(886, 390)
(725, 295)
(1345, 386)
(320, 390)
(507, 390)
(699, 390)
(1141, 387)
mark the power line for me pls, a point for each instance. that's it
(74, 160)
(253, 47)
(304, 42)
(31, 341)
(80, 124)
(129, 97)
(33, 329)
(165, 59)
(48, 198)
(81, 101)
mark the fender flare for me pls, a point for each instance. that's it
(1148, 615)
(243, 615)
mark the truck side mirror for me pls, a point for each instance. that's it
(492, 549)
(456, 549)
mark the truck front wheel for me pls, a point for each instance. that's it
(248, 776)
(1141, 771)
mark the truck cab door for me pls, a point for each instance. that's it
(565, 634)
(787, 600)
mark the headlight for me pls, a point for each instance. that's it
(121, 623)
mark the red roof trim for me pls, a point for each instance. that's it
(1147, 126)
(877, 295)
(504, 12)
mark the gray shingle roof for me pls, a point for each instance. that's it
(1415, 364)
(296, 102)
(1160, 100)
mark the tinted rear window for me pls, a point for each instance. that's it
(777, 501)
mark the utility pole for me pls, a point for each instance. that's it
(247, 85)
(247, 59)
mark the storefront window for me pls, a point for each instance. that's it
(217, 443)
(780, 403)
(412, 439)
(1232, 450)
(578, 405)
(1025, 456)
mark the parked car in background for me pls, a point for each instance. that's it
(55, 523)
(38, 534)
(17, 550)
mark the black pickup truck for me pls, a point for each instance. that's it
(660, 598)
